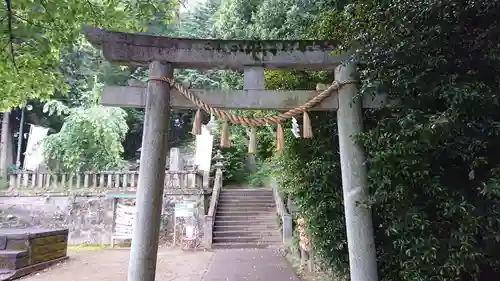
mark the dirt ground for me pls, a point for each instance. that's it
(111, 265)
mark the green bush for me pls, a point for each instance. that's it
(260, 178)
(235, 157)
(433, 162)
(309, 172)
(234, 161)
(234, 164)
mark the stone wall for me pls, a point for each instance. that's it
(88, 212)
(88, 217)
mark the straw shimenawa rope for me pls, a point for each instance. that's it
(251, 121)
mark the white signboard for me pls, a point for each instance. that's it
(124, 220)
(183, 213)
(184, 210)
(203, 155)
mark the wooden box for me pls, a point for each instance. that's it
(23, 251)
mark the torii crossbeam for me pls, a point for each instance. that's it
(135, 97)
(163, 54)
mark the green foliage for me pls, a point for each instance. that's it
(198, 22)
(90, 140)
(271, 19)
(261, 177)
(432, 162)
(35, 35)
(81, 66)
(308, 171)
(451, 106)
(234, 19)
(234, 161)
(234, 164)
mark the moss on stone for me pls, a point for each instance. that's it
(259, 49)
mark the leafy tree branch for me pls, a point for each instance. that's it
(36, 34)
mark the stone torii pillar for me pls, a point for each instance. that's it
(360, 238)
(149, 198)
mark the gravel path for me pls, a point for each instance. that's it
(111, 265)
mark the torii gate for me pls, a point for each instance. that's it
(163, 54)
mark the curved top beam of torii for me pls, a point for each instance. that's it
(141, 49)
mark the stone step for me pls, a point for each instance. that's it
(233, 201)
(246, 233)
(242, 187)
(259, 206)
(252, 213)
(236, 208)
(246, 204)
(247, 239)
(272, 217)
(247, 190)
(223, 201)
(249, 222)
(249, 193)
(243, 245)
(246, 227)
(245, 197)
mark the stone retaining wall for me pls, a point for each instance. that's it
(89, 217)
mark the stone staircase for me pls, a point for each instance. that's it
(246, 218)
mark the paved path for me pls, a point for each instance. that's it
(249, 265)
(173, 265)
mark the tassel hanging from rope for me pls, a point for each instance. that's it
(280, 139)
(306, 126)
(224, 137)
(197, 123)
(252, 140)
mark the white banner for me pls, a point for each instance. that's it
(33, 156)
(203, 155)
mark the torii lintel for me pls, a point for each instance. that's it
(128, 48)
